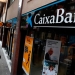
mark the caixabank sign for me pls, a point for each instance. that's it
(55, 14)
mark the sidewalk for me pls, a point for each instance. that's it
(4, 70)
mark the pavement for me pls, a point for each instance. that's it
(4, 69)
(5, 64)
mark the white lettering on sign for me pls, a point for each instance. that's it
(55, 19)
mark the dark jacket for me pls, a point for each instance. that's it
(47, 57)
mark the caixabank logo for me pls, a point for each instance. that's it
(50, 16)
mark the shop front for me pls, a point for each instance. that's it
(9, 33)
(49, 47)
(9, 41)
(1, 28)
(66, 49)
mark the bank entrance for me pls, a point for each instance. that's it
(67, 49)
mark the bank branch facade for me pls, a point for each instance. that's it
(45, 44)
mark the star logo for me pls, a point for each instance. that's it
(29, 21)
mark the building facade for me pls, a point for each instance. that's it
(40, 21)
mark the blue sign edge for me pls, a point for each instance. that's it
(45, 6)
(37, 9)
